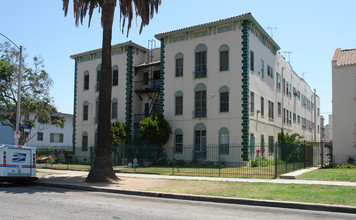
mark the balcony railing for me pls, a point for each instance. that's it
(200, 113)
(149, 84)
(200, 74)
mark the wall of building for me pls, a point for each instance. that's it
(215, 79)
(47, 130)
(344, 108)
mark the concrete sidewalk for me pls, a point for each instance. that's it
(130, 185)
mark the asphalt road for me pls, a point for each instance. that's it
(37, 202)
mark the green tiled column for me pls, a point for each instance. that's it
(128, 117)
(75, 102)
(245, 89)
(161, 89)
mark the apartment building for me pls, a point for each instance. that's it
(344, 104)
(221, 83)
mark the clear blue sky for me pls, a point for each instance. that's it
(311, 30)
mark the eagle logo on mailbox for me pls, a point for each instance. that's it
(19, 158)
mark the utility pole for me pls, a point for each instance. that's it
(18, 105)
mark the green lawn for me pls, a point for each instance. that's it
(338, 195)
(330, 174)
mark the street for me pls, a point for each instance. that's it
(37, 202)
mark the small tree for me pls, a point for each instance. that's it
(35, 98)
(118, 130)
(155, 131)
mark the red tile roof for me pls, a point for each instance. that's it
(344, 57)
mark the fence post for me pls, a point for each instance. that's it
(276, 160)
(322, 153)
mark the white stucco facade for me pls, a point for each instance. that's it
(344, 104)
(43, 136)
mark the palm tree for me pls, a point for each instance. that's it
(102, 170)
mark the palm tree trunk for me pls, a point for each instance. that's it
(102, 170)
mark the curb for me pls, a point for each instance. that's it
(217, 199)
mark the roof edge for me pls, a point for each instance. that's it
(124, 44)
(246, 16)
(336, 54)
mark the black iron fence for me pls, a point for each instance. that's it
(220, 161)
(60, 158)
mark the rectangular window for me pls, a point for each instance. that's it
(270, 144)
(269, 71)
(200, 104)
(284, 115)
(270, 110)
(200, 64)
(252, 103)
(262, 68)
(252, 61)
(278, 82)
(56, 138)
(40, 136)
(178, 143)
(85, 112)
(179, 105)
(284, 86)
(179, 67)
(86, 82)
(262, 107)
(145, 79)
(252, 144)
(298, 119)
(224, 60)
(115, 77)
(114, 110)
(224, 102)
(262, 142)
(294, 118)
(279, 109)
(224, 144)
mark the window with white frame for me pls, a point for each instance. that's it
(269, 71)
(270, 110)
(179, 103)
(224, 141)
(262, 107)
(39, 136)
(178, 141)
(262, 68)
(278, 82)
(252, 103)
(179, 64)
(252, 60)
(56, 138)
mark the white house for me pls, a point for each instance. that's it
(43, 136)
(221, 83)
(344, 104)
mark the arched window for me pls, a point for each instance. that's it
(179, 64)
(224, 57)
(114, 107)
(85, 111)
(85, 141)
(86, 80)
(224, 99)
(224, 141)
(115, 75)
(98, 70)
(200, 61)
(200, 101)
(178, 141)
(179, 102)
(200, 141)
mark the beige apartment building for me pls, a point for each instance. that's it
(220, 83)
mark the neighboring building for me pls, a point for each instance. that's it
(43, 136)
(6, 135)
(344, 104)
(222, 83)
(328, 130)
